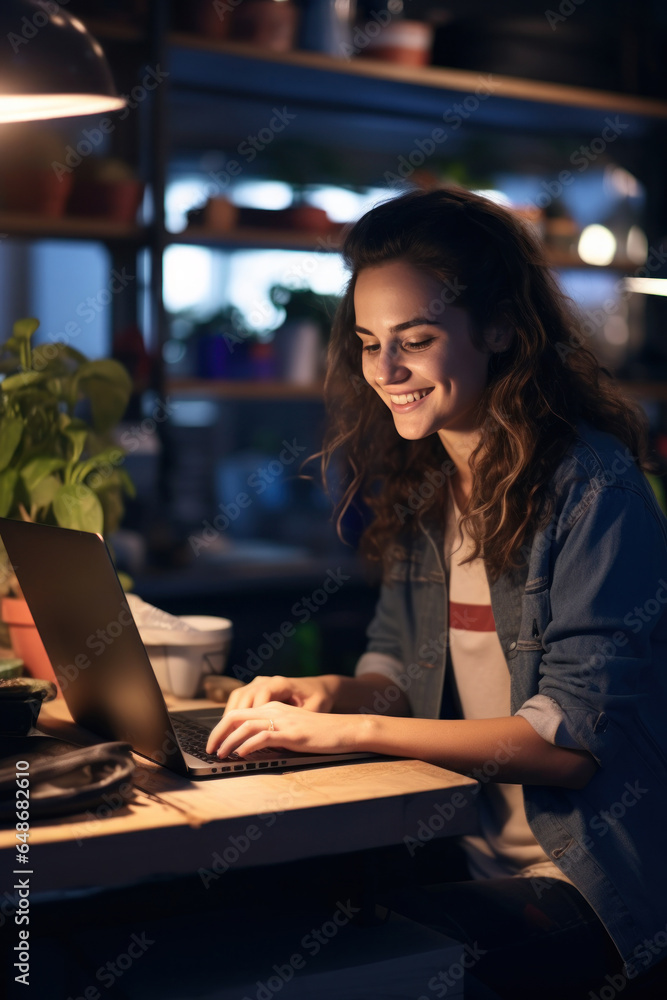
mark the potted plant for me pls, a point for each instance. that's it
(58, 462)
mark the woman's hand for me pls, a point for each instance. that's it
(314, 693)
(244, 730)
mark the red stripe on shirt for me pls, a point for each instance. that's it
(471, 617)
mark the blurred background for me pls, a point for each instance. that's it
(194, 237)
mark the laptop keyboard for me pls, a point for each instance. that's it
(193, 737)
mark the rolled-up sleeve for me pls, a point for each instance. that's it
(607, 633)
(546, 717)
(379, 663)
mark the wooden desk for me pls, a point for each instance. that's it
(188, 867)
(171, 825)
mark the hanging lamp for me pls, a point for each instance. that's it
(50, 65)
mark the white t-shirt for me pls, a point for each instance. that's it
(481, 688)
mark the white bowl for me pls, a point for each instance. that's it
(181, 663)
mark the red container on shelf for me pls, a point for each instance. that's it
(36, 190)
(117, 200)
(268, 24)
(405, 42)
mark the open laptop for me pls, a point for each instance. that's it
(82, 615)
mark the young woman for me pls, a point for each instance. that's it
(521, 631)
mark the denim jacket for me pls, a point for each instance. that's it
(583, 625)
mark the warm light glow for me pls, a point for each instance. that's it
(616, 331)
(34, 107)
(636, 246)
(647, 286)
(597, 245)
(622, 182)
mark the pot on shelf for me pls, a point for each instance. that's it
(25, 638)
(35, 190)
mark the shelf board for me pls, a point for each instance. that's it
(275, 239)
(257, 239)
(244, 389)
(433, 78)
(69, 228)
(114, 31)
(560, 259)
(15, 224)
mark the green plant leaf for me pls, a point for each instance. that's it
(42, 494)
(107, 461)
(8, 480)
(76, 506)
(39, 468)
(112, 505)
(22, 380)
(77, 436)
(108, 402)
(23, 329)
(54, 355)
(107, 369)
(11, 431)
(127, 483)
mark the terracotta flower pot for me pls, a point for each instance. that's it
(26, 641)
(265, 23)
(34, 190)
(118, 200)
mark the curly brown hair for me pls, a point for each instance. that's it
(537, 389)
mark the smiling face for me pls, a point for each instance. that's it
(417, 352)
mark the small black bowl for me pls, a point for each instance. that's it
(20, 701)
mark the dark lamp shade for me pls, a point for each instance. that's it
(50, 65)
